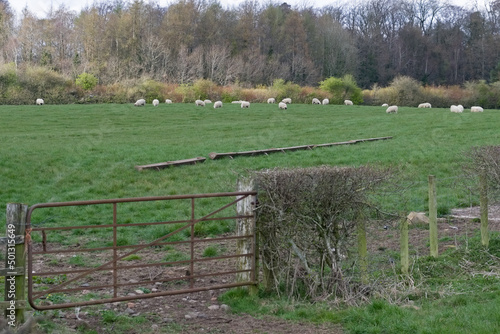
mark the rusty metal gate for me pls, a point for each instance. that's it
(103, 267)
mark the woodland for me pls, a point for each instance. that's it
(254, 43)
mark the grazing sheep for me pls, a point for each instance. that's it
(348, 102)
(218, 104)
(287, 100)
(282, 105)
(271, 100)
(425, 105)
(156, 102)
(392, 110)
(199, 103)
(455, 109)
(39, 102)
(461, 107)
(476, 109)
(168, 101)
(140, 102)
(385, 105)
(207, 101)
(325, 102)
(245, 104)
(316, 101)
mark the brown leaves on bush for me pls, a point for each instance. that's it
(485, 161)
(306, 220)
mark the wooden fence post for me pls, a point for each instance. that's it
(483, 202)
(405, 262)
(362, 250)
(433, 229)
(245, 227)
(15, 260)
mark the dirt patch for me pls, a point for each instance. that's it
(193, 313)
(475, 212)
(197, 312)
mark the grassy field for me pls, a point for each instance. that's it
(85, 152)
(82, 152)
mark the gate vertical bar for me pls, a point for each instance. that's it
(191, 265)
(115, 255)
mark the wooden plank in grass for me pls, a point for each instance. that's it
(215, 155)
(166, 164)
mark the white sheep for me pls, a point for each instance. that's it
(140, 102)
(282, 105)
(316, 101)
(238, 102)
(156, 102)
(199, 103)
(455, 109)
(348, 102)
(39, 102)
(287, 100)
(392, 110)
(207, 101)
(218, 104)
(245, 104)
(424, 105)
(385, 105)
(325, 102)
(271, 100)
(476, 109)
(168, 101)
(461, 107)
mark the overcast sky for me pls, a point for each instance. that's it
(42, 7)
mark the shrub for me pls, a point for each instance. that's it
(482, 94)
(307, 217)
(284, 89)
(204, 89)
(407, 91)
(86, 81)
(484, 160)
(150, 90)
(8, 77)
(185, 93)
(231, 93)
(342, 89)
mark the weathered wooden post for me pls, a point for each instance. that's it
(247, 227)
(483, 202)
(362, 250)
(433, 229)
(405, 262)
(15, 260)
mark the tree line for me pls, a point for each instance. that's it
(255, 43)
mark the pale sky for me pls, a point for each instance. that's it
(41, 7)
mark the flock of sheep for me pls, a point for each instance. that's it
(244, 104)
(453, 108)
(283, 104)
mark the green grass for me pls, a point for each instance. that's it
(75, 152)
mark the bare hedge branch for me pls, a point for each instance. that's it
(485, 160)
(307, 219)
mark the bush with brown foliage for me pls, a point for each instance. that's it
(484, 161)
(306, 222)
